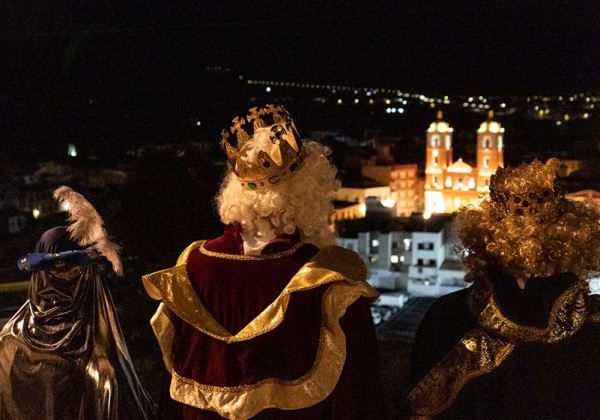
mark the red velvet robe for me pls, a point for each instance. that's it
(235, 292)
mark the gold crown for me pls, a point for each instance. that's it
(268, 169)
(527, 190)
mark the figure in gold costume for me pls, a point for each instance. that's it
(270, 320)
(62, 355)
(523, 341)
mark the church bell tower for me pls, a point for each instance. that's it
(490, 151)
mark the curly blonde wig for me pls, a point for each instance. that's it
(528, 229)
(302, 202)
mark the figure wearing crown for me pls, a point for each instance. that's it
(270, 320)
(524, 340)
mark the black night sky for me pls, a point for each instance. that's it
(96, 69)
(488, 47)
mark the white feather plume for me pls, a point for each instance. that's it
(87, 227)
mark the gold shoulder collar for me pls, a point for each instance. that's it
(484, 348)
(331, 264)
(342, 270)
(222, 255)
(566, 316)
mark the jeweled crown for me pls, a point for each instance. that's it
(267, 169)
(527, 190)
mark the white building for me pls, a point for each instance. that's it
(410, 254)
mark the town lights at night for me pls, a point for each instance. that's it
(360, 148)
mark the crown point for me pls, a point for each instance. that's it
(440, 115)
(270, 167)
(490, 115)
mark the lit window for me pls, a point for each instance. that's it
(394, 259)
(486, 162)
(487, 143)
(401, 258)
(435, 180)
(471, 183)
(436, 161)
(406, 244)
(435, 141)
(375, 242)
(449, 181)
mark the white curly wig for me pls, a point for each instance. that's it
(302, 202)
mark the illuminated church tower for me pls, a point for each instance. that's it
(450, 185)
(490, 151)
(438, 159)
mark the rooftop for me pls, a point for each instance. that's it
(460, 167)
(415, 223)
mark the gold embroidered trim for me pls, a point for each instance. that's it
(566, 316)
(281, 254)
(163, 327)
(483, 349)
(246, 401)
(476, 354)
(332, 264)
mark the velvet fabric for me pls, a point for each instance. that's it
(537, 380)
(234, 292)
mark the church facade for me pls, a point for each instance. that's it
(449, 184)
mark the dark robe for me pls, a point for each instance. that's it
(556, 378)
(62, 355)
(235, 292)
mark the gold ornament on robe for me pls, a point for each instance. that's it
(344, 274)
(483, 349)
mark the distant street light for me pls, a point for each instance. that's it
(72, 150)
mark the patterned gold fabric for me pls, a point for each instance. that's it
(476, 354)
(483, 349)
(340, 269)
(566, 317)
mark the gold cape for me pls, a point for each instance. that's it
(341, 270)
